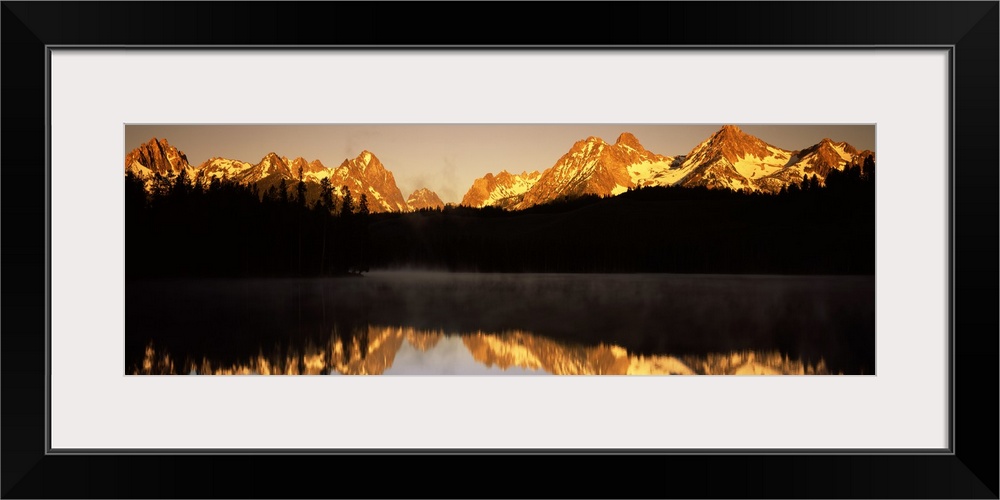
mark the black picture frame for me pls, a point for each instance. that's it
(970, 29)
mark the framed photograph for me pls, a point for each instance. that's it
(735, 257)
(691, 204)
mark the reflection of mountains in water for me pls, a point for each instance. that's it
(373, 352)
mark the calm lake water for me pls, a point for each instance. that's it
(436, 323)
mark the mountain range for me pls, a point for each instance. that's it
(728, 159)
(363, 174)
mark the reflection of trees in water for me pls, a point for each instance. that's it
(372, 351)
(229, 322)
(754, 363)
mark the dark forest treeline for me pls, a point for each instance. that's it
(808, 228)
(182, 228)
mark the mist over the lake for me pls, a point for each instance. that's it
(808, 317)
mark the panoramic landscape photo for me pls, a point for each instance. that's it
(565, 249)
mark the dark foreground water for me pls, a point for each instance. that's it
(453, 323)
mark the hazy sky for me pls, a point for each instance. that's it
(447, 158)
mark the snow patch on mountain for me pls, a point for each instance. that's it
(502, 189)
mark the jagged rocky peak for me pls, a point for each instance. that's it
(848, 148)
(156, 156)
(365, 174)
(424, 198)
(273, 157)
(367, 157)
(627, 139)
(161, 144)
(827, 146)
(502, 189)
(588, 143)
(301, 164)
(591, 166)
(733, 144)
(365, 160)
(826, 142)
(730, 133)
(270, 165)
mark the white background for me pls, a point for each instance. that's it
(94, 93)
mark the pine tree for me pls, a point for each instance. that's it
(833, 180)
(363, 240)
(868, 171)
(283, 192)
(135, 191)
(347, 207)
(161, 186)
(300, 190)
(199, 181)
(363, 206)
(181, 186)
(271, 194)
(326, 194)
